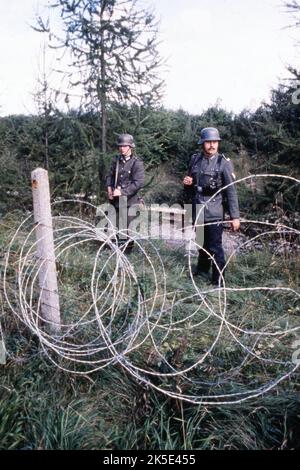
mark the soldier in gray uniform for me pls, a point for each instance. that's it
(208, 172)
(125, 178)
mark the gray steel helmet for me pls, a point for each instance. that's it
(209, 133)
(125, 139)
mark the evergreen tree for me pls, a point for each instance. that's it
(113, 46)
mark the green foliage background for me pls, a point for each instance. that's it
(267, 140)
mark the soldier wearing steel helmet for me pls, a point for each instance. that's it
(208, 172)
(125, 178)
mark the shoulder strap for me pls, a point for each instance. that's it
(196, 158)
(221, 156)
(216, 172)
(219, 161)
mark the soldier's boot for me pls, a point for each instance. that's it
(217, 279)
(129, 247)
(202, 267)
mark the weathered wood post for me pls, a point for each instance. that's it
(45, 249)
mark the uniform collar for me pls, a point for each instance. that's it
(123, 159)
(210, 158)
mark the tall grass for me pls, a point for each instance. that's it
(41, 407)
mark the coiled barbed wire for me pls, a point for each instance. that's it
(132, 318)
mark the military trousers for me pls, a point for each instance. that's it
(212, 250)
(123, 221)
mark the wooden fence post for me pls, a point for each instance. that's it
(50, 311)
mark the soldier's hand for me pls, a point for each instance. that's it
(188, 181)
(235, 225)
(117, 192)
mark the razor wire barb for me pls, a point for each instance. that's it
(128, 316)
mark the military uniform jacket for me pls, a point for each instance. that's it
(203, 171)
(130, 177)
